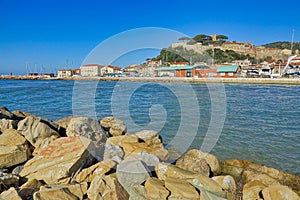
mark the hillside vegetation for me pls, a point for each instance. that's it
(283, 45)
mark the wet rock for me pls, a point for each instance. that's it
(106, 188)
(58, 161)
(155, 189)
(226, 182)
(36, 129)
(76, 191)
(114, 126)
(131, 173)
(180, 189)
(10, 194)
(252, 190)
(86, 127)
(8, 124)
(13, 148)
(101, 168)
(279, 192)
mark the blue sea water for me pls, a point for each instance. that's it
(261, 121)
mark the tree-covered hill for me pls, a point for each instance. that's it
(283, 45)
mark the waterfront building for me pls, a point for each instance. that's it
(229, 71)
(64, 73)
(91, 70)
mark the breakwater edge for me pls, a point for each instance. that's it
(78, 157)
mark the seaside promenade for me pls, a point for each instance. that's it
(288, 81)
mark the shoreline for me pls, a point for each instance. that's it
(285, 81)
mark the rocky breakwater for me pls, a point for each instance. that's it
(82, 158)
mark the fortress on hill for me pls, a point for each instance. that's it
(259, 52)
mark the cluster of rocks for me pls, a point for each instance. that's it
(82, 158)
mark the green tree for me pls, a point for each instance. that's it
(184, 39)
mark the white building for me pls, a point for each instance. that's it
(91, 70)
(244, 64)
(63, 73)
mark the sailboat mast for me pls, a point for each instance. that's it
(292, 43)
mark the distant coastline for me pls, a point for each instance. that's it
(168, 79)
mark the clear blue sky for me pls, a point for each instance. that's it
(53, 33)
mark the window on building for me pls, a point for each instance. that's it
(230, 74)
(222, 74)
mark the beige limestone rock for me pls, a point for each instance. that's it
(8, 124)
(234, 167)
(134, 148)
(114, 126)
(118, 140)
(155, 189)
(76, 191)
(226, 182)
(279, 192)
(36, 129)
(43, 144)
(14, 148)
(100, 168)
(252, 189)
(5, 113)
(86, 127)
(130, 173)
(106, 188)
(58, 161)
(138, 192)
(197, 161)
(150, 137)
(181, 189)
(64, 122)
(10, 194)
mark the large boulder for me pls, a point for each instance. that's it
(64, 122)
(132, 148)
(226, 182)
(252, 190)
(27, 190)
(10, 194)
(118, 140)
(14, 148)
(86, 127)
(36, 129)
(279, 192)
(113, 126)
(150, 137)
(76, 191)
(138, 192)
(58, 161)
(131, 172)
(199, 162)
(8, 124)
(155, 189)
(100, 168)
(234, 167)
(180, 189)
(106, 188)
